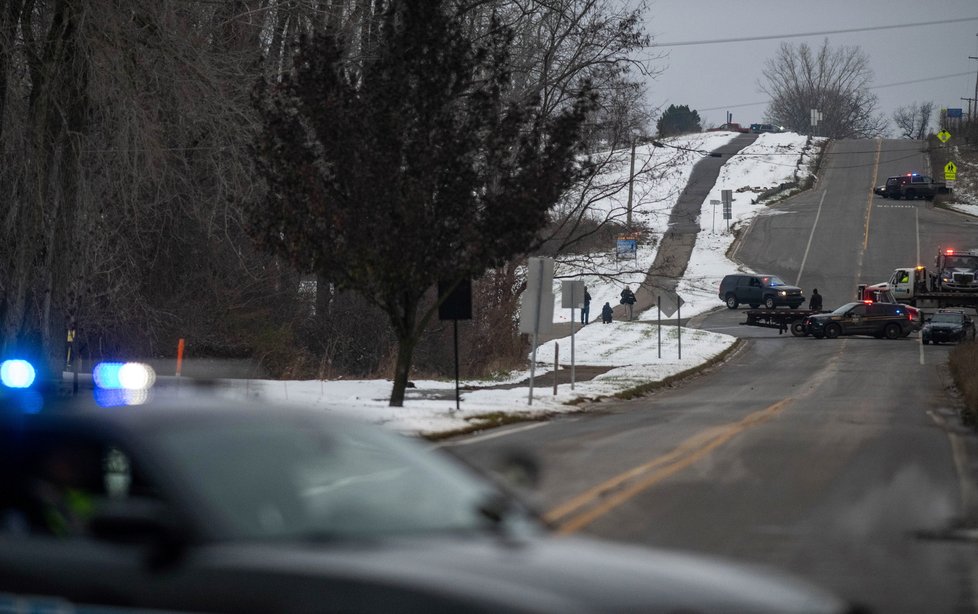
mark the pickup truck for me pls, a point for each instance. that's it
(731, 127)
(911, 186)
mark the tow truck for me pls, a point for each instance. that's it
(953, 283)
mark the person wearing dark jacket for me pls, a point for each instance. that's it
(586, 310)
(628, 299)
(815, 302)
(606, 312)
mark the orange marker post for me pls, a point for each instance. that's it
(179, 356)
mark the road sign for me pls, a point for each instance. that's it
(537, 308)
(954, 113)
(950, 171)
(572, 294)
(943, 136)
(669, 303)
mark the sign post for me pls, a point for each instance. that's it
(571, 295)
(537, 307)
(727, 196)
(714, 202)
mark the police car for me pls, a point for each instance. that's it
(139, 498)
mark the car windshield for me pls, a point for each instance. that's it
(961, 262)
(845, 309)
(773, 282)
(278, 478)
(948, 318)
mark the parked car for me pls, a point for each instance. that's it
(890, 320)
(196, 503)
(948, 325)
(759, 128)
(756, 290)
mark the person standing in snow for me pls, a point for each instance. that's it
(586, 310)
(628, 299)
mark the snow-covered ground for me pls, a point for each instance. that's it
(637, 352)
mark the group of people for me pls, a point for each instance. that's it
(627, 299)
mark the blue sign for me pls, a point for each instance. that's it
(952, 113)
(627, 247)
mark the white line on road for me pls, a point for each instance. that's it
(818, 212)
(494, 434)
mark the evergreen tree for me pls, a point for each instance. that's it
(409, 165)
(678, 120)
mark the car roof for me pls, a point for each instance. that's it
(163, 406)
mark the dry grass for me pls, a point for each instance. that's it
(963, 363)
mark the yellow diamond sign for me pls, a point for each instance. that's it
(950, 172)
(943, 135)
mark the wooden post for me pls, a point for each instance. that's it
(556, 364)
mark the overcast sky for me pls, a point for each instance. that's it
(910, 64)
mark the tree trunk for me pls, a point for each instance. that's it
(402, 368)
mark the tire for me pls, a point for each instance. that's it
(832, 331)
(732, 301)
(755, 305)
(892, 331)
(925, 342)
(769, 302)
(798, 329)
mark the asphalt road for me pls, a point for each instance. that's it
(838, 460)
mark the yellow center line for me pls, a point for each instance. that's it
(590, 505)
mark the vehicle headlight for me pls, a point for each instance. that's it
(782, 293)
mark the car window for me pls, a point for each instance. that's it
(773, 282)
(948, 318)
(65, 479)
(858, 310)
(276, 479)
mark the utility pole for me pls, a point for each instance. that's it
(972, 114)
(970, 101)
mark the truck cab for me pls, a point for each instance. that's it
(957, 271)
(907, 282)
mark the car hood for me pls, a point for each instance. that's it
(569, 574)
(943, 326)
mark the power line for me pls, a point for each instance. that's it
(875, 87)
(744, 39)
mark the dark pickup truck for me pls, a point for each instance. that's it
(911, 186)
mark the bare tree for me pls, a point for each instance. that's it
(913, 121)
(833, 81)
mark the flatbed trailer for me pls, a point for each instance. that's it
(781, 319)
(940, 300)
